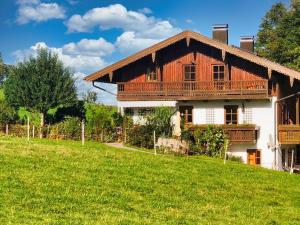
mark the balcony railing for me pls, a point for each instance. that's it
(289, 134)
(237, 133)
(194, 90)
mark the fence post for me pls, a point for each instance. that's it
(6, 129)
(28, 128)
(154, 140)
(225, 150)
(292, 162)
(33, 131)
(82, 132)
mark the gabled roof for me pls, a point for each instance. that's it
(198, 37)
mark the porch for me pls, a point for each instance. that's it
(193, 90)
(289, 120)
(291, 158)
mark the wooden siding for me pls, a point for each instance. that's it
(289, 134)
(171, 60)
(236, 133)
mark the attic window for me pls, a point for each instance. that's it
(189, 72)
(151, 74)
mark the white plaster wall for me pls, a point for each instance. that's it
(262, 117)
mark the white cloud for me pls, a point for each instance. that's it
(140, 30)
(117, 16)
(128, 42)
(145, 10)
(89, 47)
(34, 10)
(84, 56)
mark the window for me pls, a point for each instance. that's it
(210, 116)
(218, 72)
(231, 114)
(129, 111)
(189, 72)
(145, 111)
(186, 114)
(151, 74)
(248, 116)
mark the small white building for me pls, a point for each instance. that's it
(206, 81)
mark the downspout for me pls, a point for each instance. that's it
(102, 89)
(276, 124)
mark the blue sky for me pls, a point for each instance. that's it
(87, 34)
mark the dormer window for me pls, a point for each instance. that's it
(189, 72)
(151, 74)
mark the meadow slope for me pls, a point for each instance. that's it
(62, 182)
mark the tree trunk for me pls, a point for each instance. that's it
(6, 129)
(42, 124)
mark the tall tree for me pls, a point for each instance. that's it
(279, 35)
(3, 70)
(40, 83)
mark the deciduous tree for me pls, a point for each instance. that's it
(40, 83)
(279, 35)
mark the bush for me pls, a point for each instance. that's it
(159, 121)
(234, 158)
(141, 136)
(70, 128)
(210, 142)
(102, 121)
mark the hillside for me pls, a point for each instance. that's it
(60, 182)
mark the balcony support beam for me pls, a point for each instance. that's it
(153, 55)
(188, 40)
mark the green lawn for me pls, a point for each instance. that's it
(61, 182)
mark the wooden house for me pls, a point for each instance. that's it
(207, 81)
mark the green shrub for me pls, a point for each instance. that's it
(234, 158)
(70, 128)
(159, 121)
(102, 122)
(141, 136)
(210, 141)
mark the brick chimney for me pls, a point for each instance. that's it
(220, 33)
(247, 43)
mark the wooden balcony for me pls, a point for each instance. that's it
(289, 134)
(194, 90)
(238, 134)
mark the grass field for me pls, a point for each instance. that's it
(61, 182)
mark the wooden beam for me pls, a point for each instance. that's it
(188, 40)
(223, 55)
(195, 55)
(110, 76)
(269, 73)
(291, 81)
(297, 110)
(153, 55)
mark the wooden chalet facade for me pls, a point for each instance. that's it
(253, 99)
